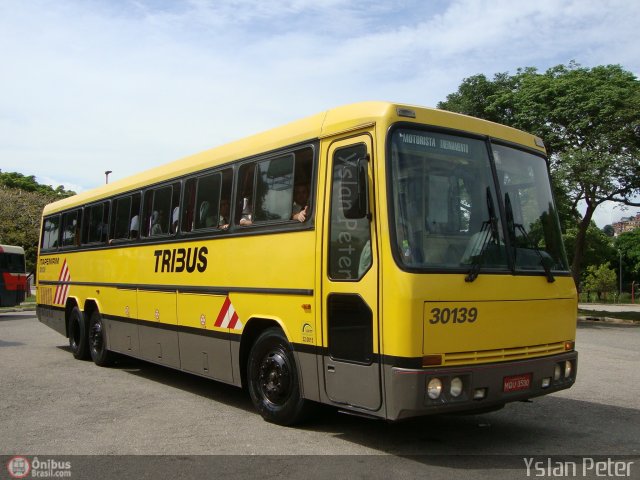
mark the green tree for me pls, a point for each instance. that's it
(628, 244)
(600, 279)
(29, 184)
(608, 230)
(22, 199)
(598, 249)
(590, 121)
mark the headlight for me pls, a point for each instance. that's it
(456, 387)
(567, 369)
(557, 371)
(434, 388)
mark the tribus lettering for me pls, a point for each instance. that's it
(180, 259)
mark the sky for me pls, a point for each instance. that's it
(124, 85)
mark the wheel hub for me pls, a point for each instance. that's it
(274, 377)
(95, 336)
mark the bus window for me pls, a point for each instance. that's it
(156, 211)
(188, 205)
(245, 195)
(50, 232)
(125, 221)
(175, 208)
(70, 229)
(274, 189)
(350, 251)
(225, 199)
(95, 223)
(208, 201)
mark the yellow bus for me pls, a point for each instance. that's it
(386, 259)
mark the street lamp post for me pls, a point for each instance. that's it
(106, 176)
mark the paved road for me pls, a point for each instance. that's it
(52, 404)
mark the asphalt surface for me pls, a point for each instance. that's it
(53, 406)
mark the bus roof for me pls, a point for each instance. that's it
(11, 249)
(327, 123)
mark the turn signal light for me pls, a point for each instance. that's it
(569, 345)
(431, 360)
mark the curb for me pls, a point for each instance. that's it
(25, 307)
(615, 321)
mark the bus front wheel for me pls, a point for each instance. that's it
(78, 339)
(98, 341)
(273, 379)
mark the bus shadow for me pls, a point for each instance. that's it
(203, 387)
(550, 426)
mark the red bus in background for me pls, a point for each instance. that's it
(13, 276)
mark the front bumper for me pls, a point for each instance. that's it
(407, 388)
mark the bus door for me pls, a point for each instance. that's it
(349, 279)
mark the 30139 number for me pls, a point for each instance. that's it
(453, 315)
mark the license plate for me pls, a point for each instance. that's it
(516, 383)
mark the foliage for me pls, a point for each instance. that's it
(608, 230)
(21, 202)
(628, 244)
(600, 279)
(590, 121)
(598, 248)
(29, 184)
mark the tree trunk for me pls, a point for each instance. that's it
(578, 253)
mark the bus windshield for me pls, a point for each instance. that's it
(449, 215)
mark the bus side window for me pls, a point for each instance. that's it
(274, 189)
(50, 232)
(225, 199)
(244, 205)
(71, 228)
(301, 208)
(125, 221)
(95, 223)
(134, 215)
(188, 205)
(208, 201)
(175, 208)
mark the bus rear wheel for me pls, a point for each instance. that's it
(98, 341)
(273, 379)
(78, 340)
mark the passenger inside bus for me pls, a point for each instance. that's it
(223, 221)
(157, 217)
(300, 210)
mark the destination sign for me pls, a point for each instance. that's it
(425, 141)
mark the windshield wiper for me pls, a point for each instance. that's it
(489, 234)
(511, 228)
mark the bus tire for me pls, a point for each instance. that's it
(273, 379)
(78, 339)
(98, 341)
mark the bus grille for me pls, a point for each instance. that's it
(502, 355)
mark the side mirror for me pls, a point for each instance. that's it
(354, 189)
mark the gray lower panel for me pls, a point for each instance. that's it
(52, 318)
(122, 337)
(206, 356)
(353, 384)
(308, 374)
(159, 345)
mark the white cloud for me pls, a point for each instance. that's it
(91, 86)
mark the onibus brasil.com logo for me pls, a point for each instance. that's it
(21, 467)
